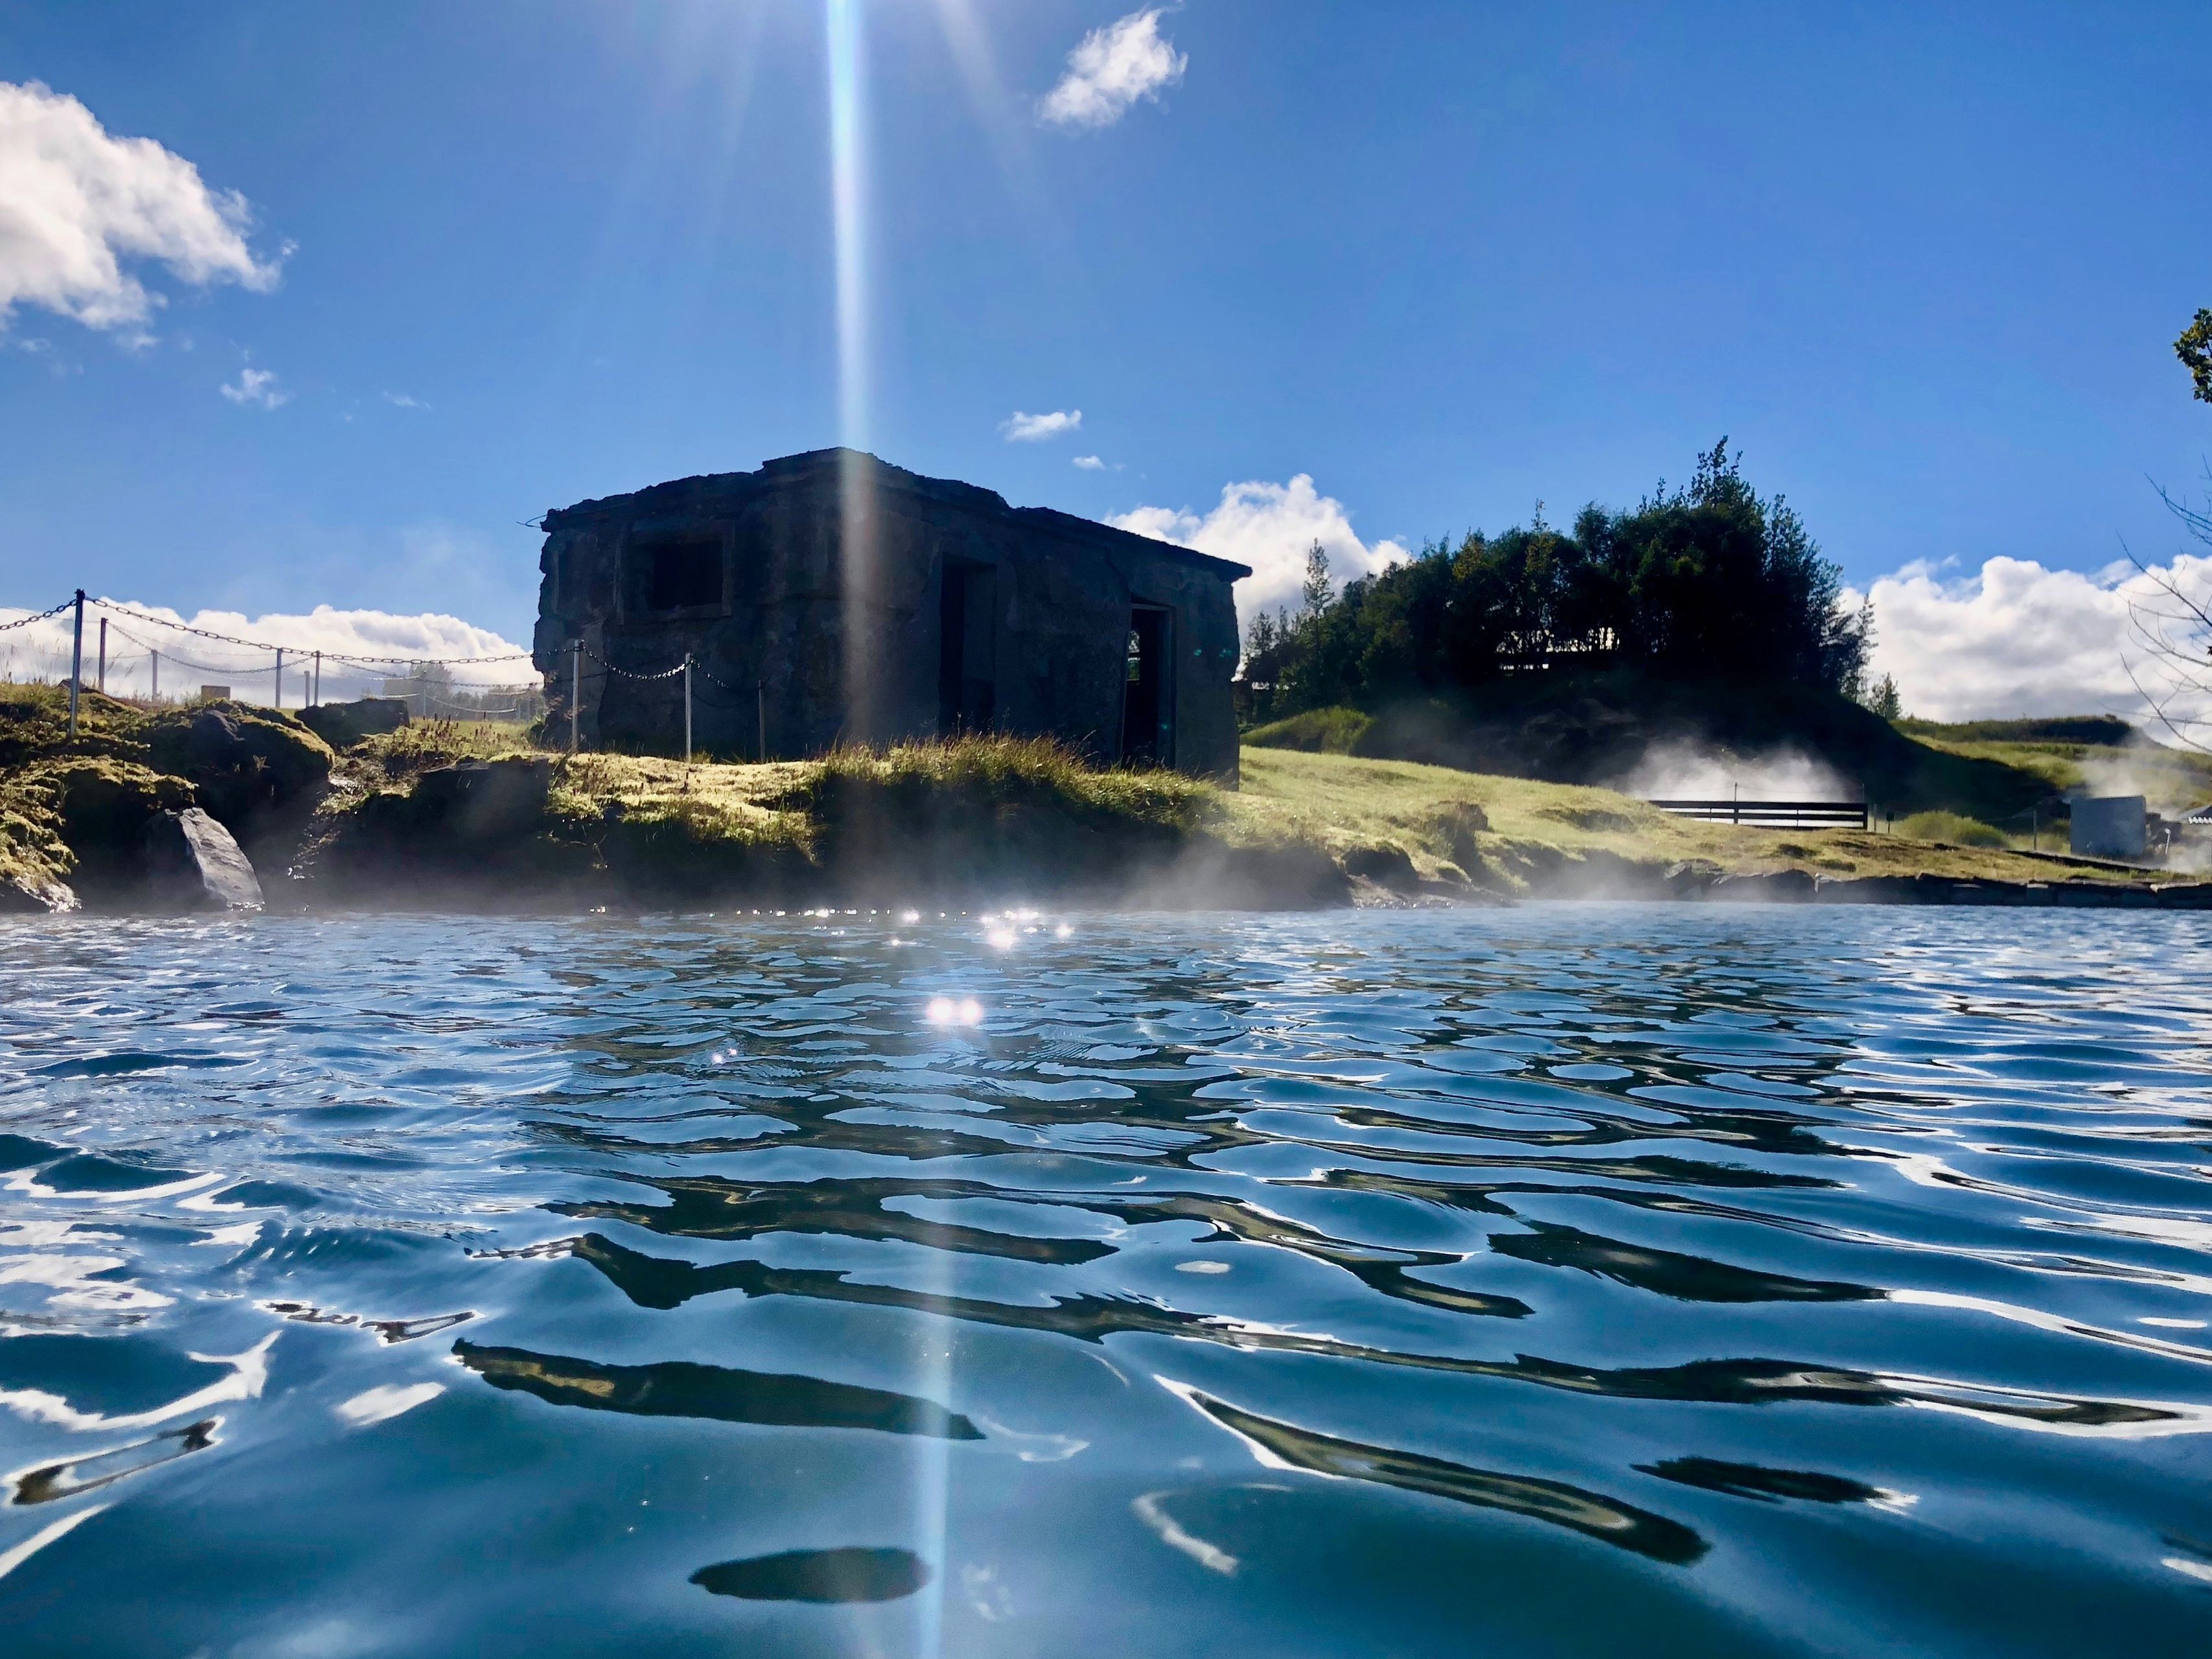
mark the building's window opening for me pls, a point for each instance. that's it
(1145, 739)
(679, 572)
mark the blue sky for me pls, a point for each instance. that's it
(1922, 263)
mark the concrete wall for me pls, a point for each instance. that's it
(826, 589)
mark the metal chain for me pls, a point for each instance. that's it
(257, 645)
(631, 673)
(25, 622)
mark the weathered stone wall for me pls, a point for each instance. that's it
(821, 579)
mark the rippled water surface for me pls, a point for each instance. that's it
(1635, 1280)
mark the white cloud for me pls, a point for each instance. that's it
(1112, 69)
(1037, 428)
(401, 400)
(41, 651)
(1269, 526)
(76, 203)
(257, 387)
(2017, 638)
(1091, 464)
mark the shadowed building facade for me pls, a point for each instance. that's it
(829, 598)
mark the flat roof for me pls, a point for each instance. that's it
(678, 494)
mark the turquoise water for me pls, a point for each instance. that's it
(1553, 1281)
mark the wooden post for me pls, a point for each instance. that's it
(76, 662)
(103, 656)
(315, 690)
(687, 708)
(154, 691)
(280, 677)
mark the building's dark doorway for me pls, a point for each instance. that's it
(968, 649)
(1147, 738)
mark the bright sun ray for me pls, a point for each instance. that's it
(858, 527)
(847, 195)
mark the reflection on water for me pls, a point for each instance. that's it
(1575, 1281)
(848, 1575)
(681, 1389)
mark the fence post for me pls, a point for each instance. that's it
(280, 677)
(576, 691)
(760, 717)
(102, 680)
(154, 691)
(687, 708)
(76, 662)
(315, 686)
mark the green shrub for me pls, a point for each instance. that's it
(1953, 828)
(1317, 732)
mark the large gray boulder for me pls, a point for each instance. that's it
(343, 724)
(192, 864)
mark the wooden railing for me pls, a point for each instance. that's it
(1773, 814)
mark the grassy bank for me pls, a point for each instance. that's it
(458, 810)
(1526, 835)
(447, 813)
(2101, 756)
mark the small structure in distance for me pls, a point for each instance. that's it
(831, 597)
(2110, 826)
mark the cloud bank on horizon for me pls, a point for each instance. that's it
(1113, 68)
(81, 203)
(2017, 638)
(387, 639)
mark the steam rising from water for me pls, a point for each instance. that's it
(1692, 771)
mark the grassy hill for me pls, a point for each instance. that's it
(1522, 833)
(1596, 729)
(2099, 753)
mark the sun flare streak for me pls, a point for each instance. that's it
(848, 197)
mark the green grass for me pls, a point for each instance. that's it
(1318, 731)
(1343, 801)
(1953, 828)
(2107, 731)
(988, 771)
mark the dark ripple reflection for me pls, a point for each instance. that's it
(1558, 1281)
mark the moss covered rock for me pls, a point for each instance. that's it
(245, 763)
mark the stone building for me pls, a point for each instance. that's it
(830, 598)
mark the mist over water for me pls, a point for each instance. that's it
(1562, 1279)
(1693, 771)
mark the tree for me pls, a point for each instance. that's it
(2170, 621)
(1697, 580)
(1319, 589)
(2194, 348)
(1882, 699)
(2170, 609)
